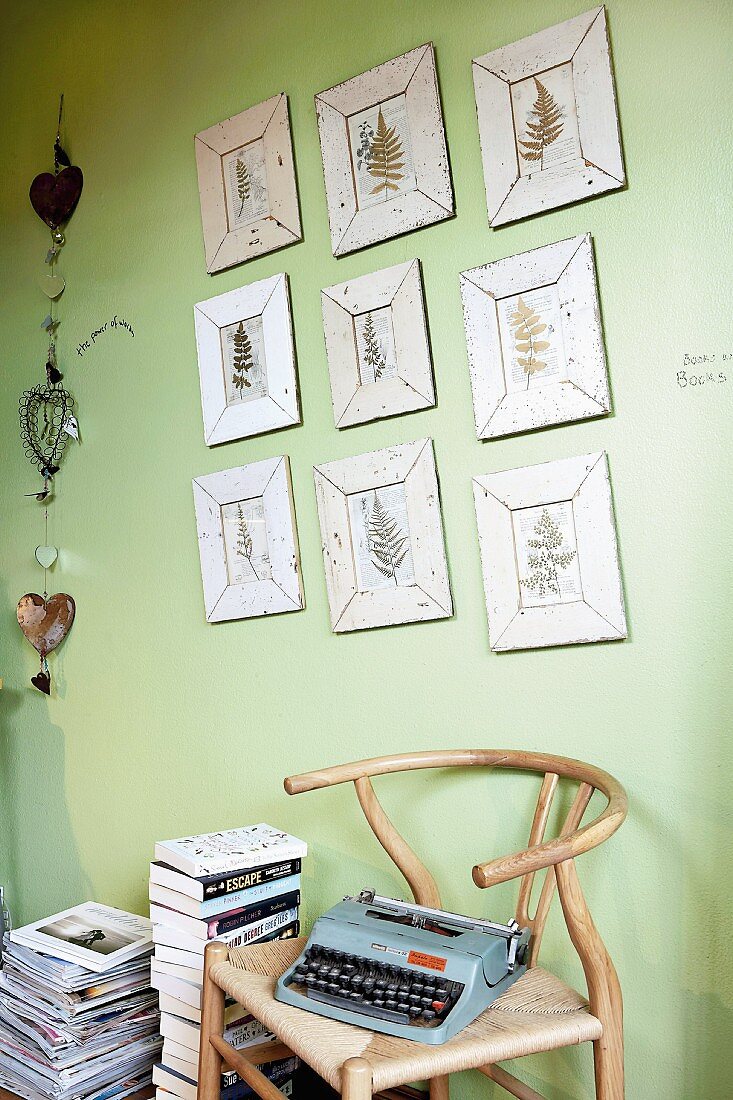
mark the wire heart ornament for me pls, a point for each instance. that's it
(54, 197)
(43, 412)
(45, 623)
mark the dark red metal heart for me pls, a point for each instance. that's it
(54, 197)
(42, 681)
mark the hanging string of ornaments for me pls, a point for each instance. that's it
(47, 420)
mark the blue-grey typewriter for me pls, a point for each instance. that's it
(404, 969)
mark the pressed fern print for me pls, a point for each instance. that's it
(388, 546)
(527, 326)
(244, 537)
(243, 183)
(385, 153)
(548, 557)
(373, 356)
(546, 127)
(242, 361)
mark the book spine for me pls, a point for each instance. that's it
(219, 926)
(233, 882)
(253, 933)
(243, 898)
(277, 1072)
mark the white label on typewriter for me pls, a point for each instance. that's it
(389, 950)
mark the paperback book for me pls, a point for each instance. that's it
(215, 853)
(228, 882)
(224, 903)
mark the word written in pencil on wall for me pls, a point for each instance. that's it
(115, 323)
(702, 370)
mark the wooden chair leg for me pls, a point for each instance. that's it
(440, 1088)
(212, 1023)
(356, 1080)
(604, 990)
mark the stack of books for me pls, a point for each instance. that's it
(240, 887)
(78, 1016)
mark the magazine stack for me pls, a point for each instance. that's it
(78, 1016)
(240, 886)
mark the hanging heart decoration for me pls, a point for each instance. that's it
(43, 412)
(46, 556)
(45, 623)
(54, 197)
(42, 681)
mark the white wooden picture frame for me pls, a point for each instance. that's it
(246, 360)
(534, 339)
(377, 345)
(389, 177)
(549, 554)
(248, 541)
(249, 197)
(548, 121)
(383, 547)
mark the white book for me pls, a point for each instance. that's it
(240, 1032)
(176, 1083)
(192, 960)
(180, 1065)
(172, 1049)
(97, 937)
(173, 937)
(177, 1007)
(194, 975)
(229, 850)
(175, 987)
(215, 887)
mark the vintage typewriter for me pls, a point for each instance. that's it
(403, 969)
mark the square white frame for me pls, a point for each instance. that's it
(225, 247)
(599, 615)
(429, 597)
(412, 75)
(400, 289)
(269, 480)
(583, 43)
(279, 407)
(583, 390)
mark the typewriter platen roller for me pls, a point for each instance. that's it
(404, 969)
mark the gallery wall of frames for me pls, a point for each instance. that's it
(549, 135)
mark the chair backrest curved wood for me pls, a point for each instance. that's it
(571, 841)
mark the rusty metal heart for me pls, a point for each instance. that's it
(54, 197)
(45, 624)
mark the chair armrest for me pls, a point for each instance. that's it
(554, 851)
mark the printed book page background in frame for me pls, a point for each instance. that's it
(243, 360)
(245, 541)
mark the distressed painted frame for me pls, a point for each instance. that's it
(412, 464)
(583, 43)
(581, 390)
(279, 407)
(599, 615)
(400, 289)
(270, 480)
(268, 121)
(413, 75)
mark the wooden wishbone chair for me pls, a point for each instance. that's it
(537, 1013)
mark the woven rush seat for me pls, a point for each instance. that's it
(537, 1013)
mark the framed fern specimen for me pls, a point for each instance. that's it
(383, 546)
(385, 161)
(549, 554)
(247, 361)
(377, 345)
(248, 541)
(249, 198)
(547, 119)
(534, 338)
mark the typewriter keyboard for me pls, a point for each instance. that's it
(370, 988)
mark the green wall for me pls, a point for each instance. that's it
(160, 724)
